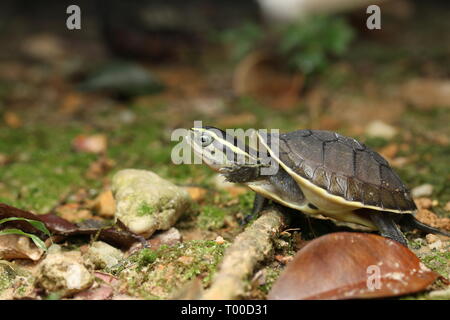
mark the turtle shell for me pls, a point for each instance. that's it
(345, 168)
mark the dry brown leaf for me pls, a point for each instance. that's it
(423, 203)
(105, 205)
(348, 265)
(71, 103)
(12, 120)
(73, 213)
(3, 159)
(197, 194)
(99, 168)
(390, 151)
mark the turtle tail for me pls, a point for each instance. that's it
(411, 222)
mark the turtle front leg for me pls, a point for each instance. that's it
(241, 173)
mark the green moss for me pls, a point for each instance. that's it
(271, 275)
(155, 274)
(43, 167)
(376, 142)
(146, 256)
(145, 209)
(7, 275)
(246, 201)
(211, 217)
(439, 262)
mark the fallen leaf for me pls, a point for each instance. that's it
(197, 194)
(105, 205)
(12, 120)
(390, 151)
(117, 235)
(71, 103)
(349, 265)
(96, 143)
(72, 212)
(3, 159)
(99, 168)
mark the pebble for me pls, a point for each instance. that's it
(424, 190)
(102, 255)
(146, 202)
(436, 245)
(97, 143)
(64, 273)
(379, 129)
(219, 240)
(431, 238)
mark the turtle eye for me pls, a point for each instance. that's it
(206, 140)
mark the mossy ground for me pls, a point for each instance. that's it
(43, 170)
(160, 273)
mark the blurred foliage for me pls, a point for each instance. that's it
(242, 39)
(308, 45)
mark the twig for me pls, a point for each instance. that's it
(248, 249)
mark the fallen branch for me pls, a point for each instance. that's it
(248, 249)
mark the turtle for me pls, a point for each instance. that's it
(320, 173)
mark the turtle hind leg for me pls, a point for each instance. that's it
(387, 227)
(411, 222)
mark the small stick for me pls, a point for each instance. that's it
(249, 248)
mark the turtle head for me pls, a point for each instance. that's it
(217, 148)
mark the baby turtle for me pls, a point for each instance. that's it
(319, 173)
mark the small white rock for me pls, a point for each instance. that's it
(437, 245)
(102, 255)
(424, 190)
(379, 129)
(146, 202)
(431, 238)
(64, 273)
